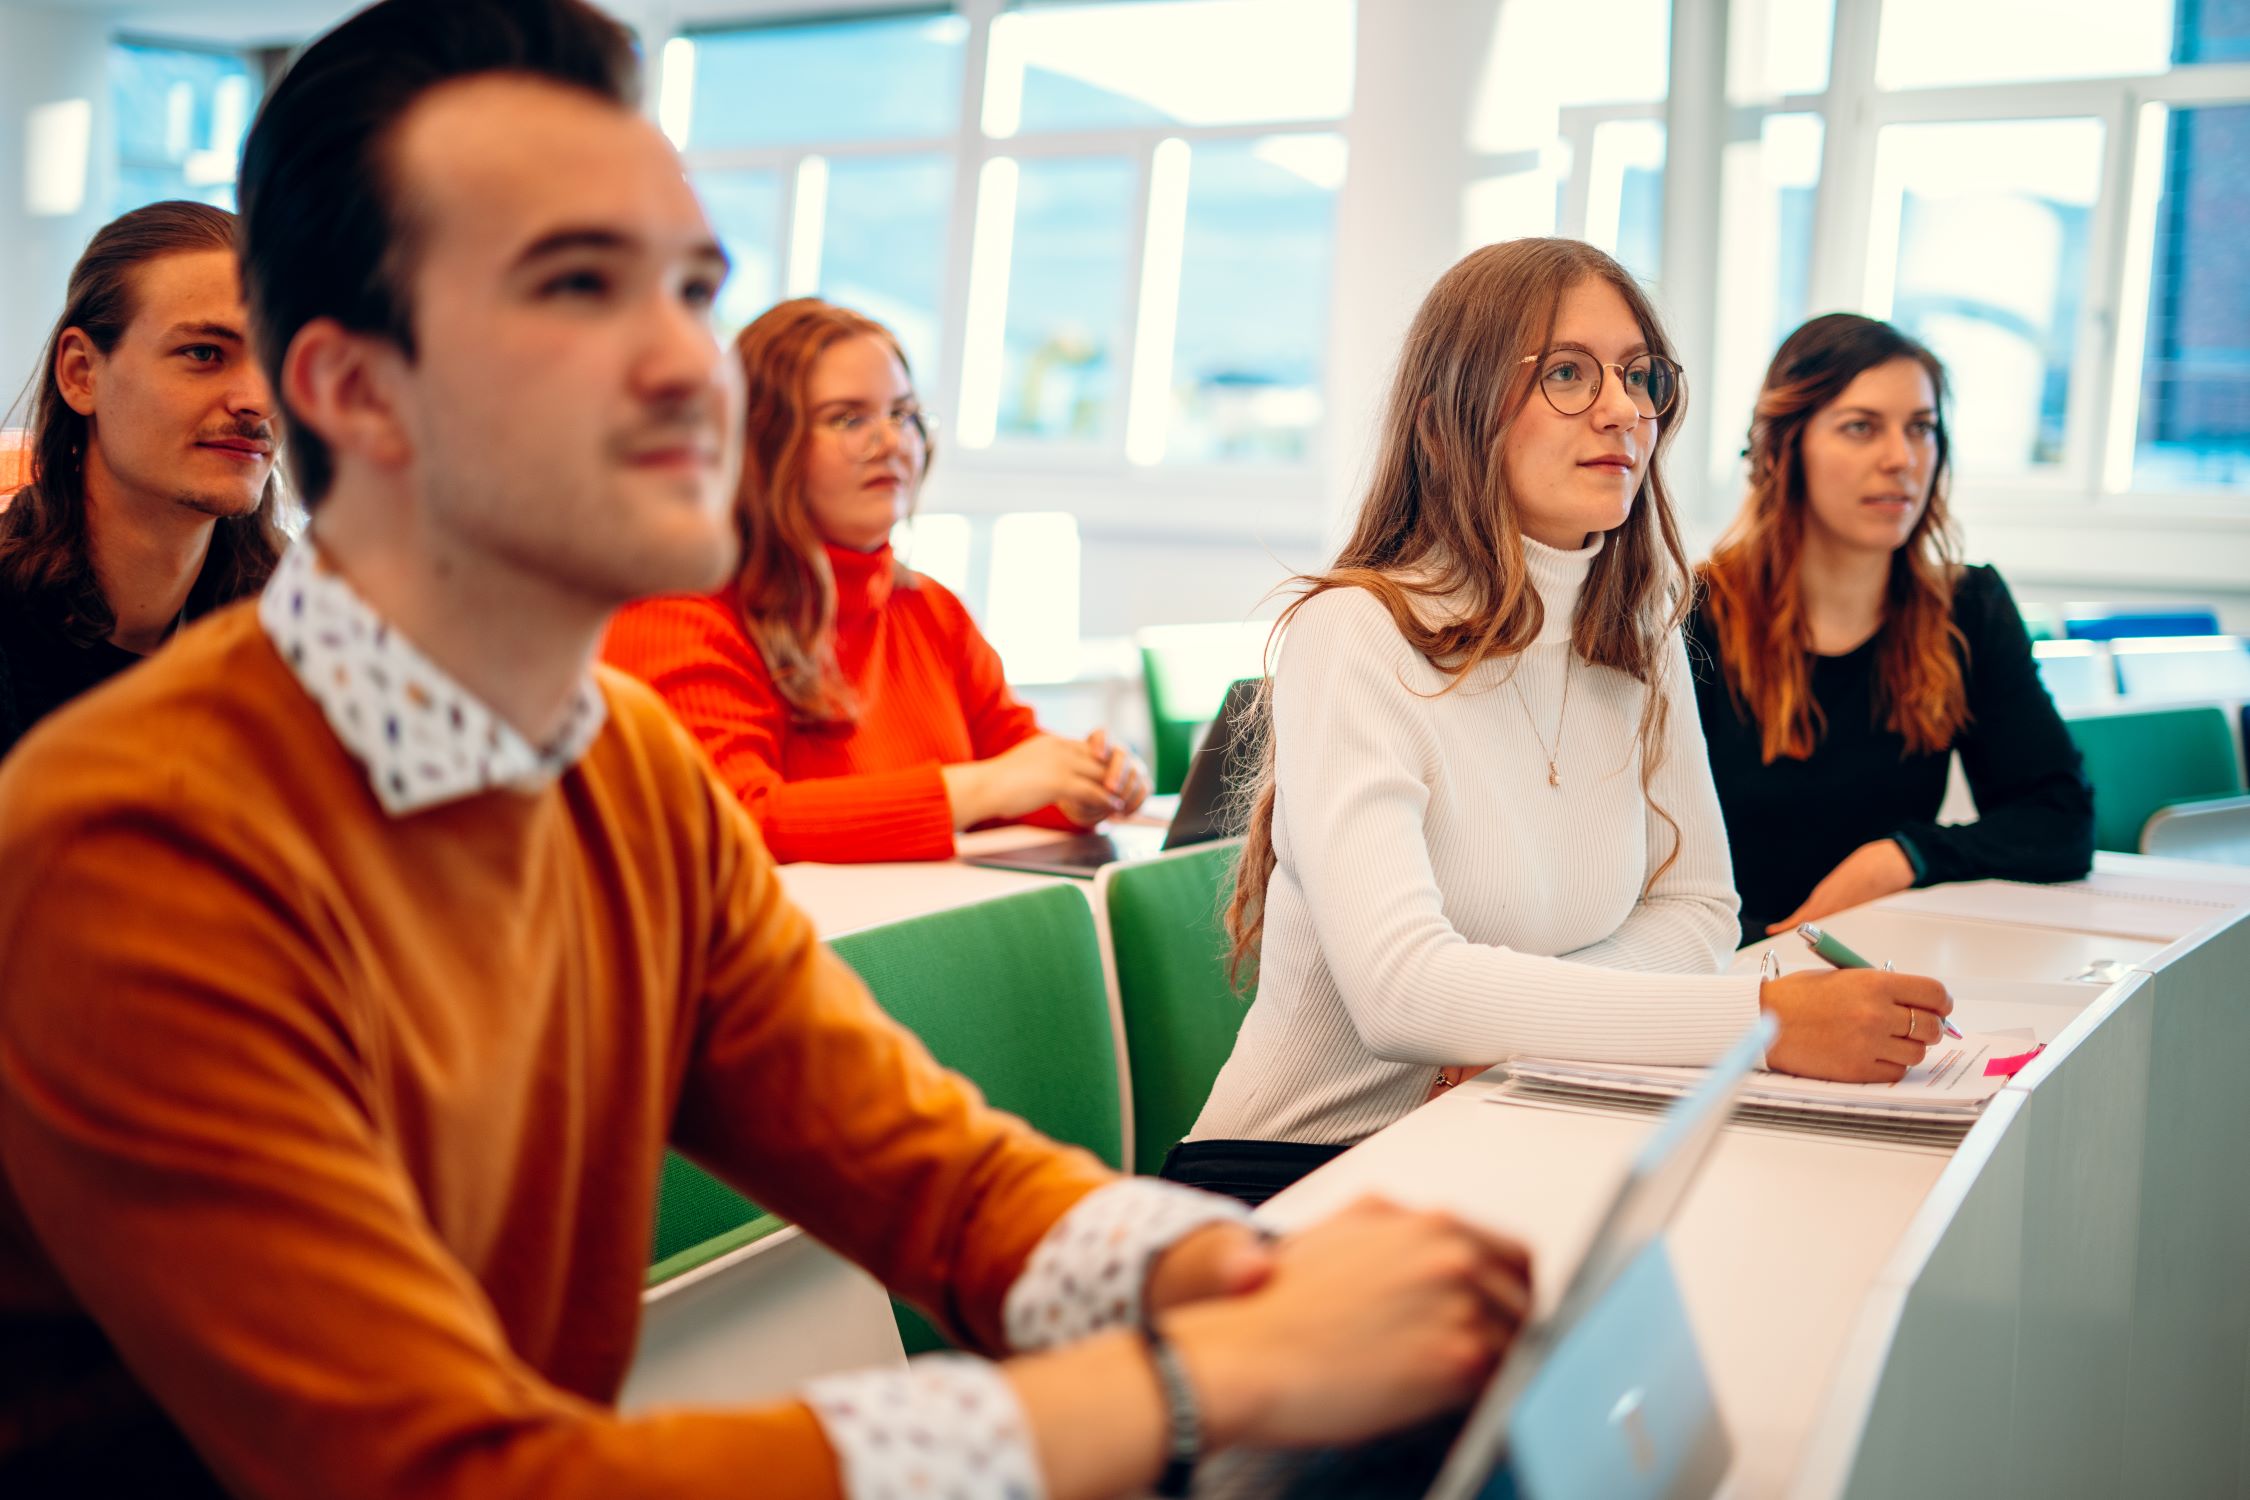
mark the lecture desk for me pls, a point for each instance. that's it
(2060, 1305)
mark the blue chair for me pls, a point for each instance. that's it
(2111, 626)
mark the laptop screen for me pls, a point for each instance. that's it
(1594, 1339)
(1201, 815)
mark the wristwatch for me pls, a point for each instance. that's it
(1183, 1417)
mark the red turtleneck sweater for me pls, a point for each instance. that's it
(930, 689)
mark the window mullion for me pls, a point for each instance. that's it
(969, 151)
(1136, 264)
(2086, 435)
(1842, 211)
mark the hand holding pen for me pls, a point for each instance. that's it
(1833, 953)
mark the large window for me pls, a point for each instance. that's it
(1572, 134)
(1119, 250)
(181, 115)
(2053, 194)
(2193, 392)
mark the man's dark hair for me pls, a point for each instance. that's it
(46, 558)
(326, 230)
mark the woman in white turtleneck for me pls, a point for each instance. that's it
(1484, 825)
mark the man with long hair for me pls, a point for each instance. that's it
(360, 956)
(152, 494)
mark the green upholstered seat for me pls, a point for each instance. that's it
(699, 1219)
(1180, 1012)
(1010, 994)
(1187, 670)
(2139, 762)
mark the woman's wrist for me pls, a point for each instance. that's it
(965, 792)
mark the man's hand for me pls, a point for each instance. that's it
(1218, 1260)
(1867, 873)
(1371, 1321)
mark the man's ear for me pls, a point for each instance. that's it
(77, 370)
(345, 387)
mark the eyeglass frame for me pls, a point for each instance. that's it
(914, 419)
(1601, 371)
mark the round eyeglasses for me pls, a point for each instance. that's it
(861, 433)
(1571, 380)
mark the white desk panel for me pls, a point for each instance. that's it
(1776, 1247)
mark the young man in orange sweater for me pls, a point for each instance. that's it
(359, 956)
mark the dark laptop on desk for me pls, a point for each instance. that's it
(1603, 1399)
(1200, 817)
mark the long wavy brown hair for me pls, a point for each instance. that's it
(46, 556)
(785, 591)
(1753, 591)
(1438, 520)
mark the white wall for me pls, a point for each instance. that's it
(46, 57)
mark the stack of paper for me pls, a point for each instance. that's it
(1936, 1102)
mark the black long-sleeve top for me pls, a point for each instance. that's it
(41, 669)
(1792, 822)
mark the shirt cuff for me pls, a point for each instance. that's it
(1914, 859)
(1087, 1272)
(947, 1427)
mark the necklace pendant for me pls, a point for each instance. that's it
(1554, 777)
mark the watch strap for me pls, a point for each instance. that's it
(1183, 1417)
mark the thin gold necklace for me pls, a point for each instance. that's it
(1554, 775)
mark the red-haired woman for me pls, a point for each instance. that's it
(1844, 653)
(849, 702)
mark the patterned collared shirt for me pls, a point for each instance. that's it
(424, 739)
(946, 1428)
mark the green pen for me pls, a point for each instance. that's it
(1834, 953)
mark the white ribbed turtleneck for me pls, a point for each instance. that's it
(1435, 901)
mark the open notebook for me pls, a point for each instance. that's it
(1936, 1102)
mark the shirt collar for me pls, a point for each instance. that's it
(423, 739)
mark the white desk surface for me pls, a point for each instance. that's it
(1781, 1242)
(1775, 1247)
(845, 898)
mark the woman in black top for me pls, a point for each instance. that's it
(1843, 653)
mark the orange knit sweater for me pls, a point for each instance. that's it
(931, 693)
(330, 1140)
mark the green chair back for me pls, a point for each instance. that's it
(1181, 1014)
(1010, 994)
(699, 1219)
(1187, 670)
(2139, 762)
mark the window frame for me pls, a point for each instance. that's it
(1107, 487)
(1855, 111)
(257, 62)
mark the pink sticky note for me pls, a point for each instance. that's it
(2009, 1067)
